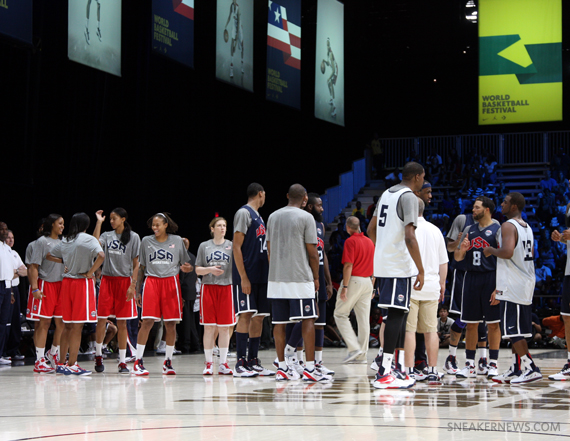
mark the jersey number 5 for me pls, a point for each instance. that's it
(382, 216)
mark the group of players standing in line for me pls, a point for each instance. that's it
(493, 282)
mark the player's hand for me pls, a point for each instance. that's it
(139, 300)
(566, 235)
(556, 236)
(186, 268)
(38, 295)
(316, 282)
(465, 244)
(245, 285)
(99, 216)
(131, 293)
(329, 291)
(493, 300)
(419, 282)
(216, 270)
(487, 251)
(86, 275)
(12, 299)
(343, 295)
(441, 292)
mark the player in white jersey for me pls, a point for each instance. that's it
(214, 264)
(515, 288)
(161, 257)
(118, 282)
(236, 35)
(392, 228)
(98, 21)
(564, 374)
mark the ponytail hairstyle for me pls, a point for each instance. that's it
(47, 223)
(126, 235)
(172, 226)
(79, 224)
(40, 227)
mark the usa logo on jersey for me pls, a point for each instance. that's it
(260, 231)
(161, 255)
(320, 244)
(116, 247)
(479, 242)
(217, 257)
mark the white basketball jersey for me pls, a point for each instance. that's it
(515, 276)
(391, 257)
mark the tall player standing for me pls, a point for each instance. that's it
(249, 278)
(392, 228)
(515, 288)
(118, 286)
(161, 257)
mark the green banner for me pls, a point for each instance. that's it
(520, 61)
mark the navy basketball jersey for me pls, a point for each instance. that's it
(479, 239)
(321, 251)
(462, 264)
(254, 251)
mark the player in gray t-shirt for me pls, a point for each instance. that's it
(214, 264)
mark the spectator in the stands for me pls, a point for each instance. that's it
(443, 326)
(413, 156)
(548, 182)
(490, 169)
(372, 207)
(546, 206)
(558, 335)
(434, 166)
(543, 276)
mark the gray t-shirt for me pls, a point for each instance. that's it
(162, 259)
(457, 227)
(48, 271)
(29, 252)
(289, 229)
(78, 255)
(407, 207)
(119, 257)
(210, 254)
(242, 220)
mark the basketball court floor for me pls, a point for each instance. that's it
(191, 407)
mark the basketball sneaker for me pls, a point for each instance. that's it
(224, 369)
(482, 368)
(325, 370)
(417, 375)
(434, 377)
(276, 362)
(208, 370)
(285, 375)
(62, 369)
(507, 376)
(450, 366)
(315, 375)
(43, 367)
(563, 375)
(492, 370)
(293, 363)
(530, 375)
(130, 359)
(138, 368)
(254, 365)
(52, 358)
(123, 368)
(99, 366)
(243, 370)
(167, 368)
(78, 370)
(404, 378)
(376, 363)
(467, 372)
(389, 381)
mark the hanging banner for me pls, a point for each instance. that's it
(520, 61)
(94, 34)
(16, 19)
(284, 52)
(329, 62)
(173, 29)
(234, 42)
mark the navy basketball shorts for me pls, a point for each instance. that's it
(394, 293)
(477, 290)
(516, 320)
(457, 291)
(292, 310)
(255, 302)
(322, 318)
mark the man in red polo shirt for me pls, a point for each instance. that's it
(356, 291)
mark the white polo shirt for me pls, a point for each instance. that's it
(434, 253)
(6, 264)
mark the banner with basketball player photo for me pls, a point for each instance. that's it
(329, 66)
(173, 29)
(520, 61)
(284, 52)
(94, 34)
(234, 42)
(16, 19)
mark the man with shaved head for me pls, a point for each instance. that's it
(293, 279)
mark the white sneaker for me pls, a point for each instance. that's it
(315, 375)
(528, 376)
(450, 366)
(467, 372)
(294, 364)
(208, 370)
(286, 375)
(507, 376)
(563, 375)
(224, 369)
(5, 361)
(482, 368)
(492, 370)
(255, 366)
(325, 370)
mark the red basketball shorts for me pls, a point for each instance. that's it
(78, 303)
(49, 305)
(113, 299)
(217, 305)
(162, 298)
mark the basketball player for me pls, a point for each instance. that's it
(564, 374)
(249, 275)
(293, 279)
(236, 35)
(161, 257)
(82, 255)
(392, 228)
(98, 20)
(331, 62)
(515, 288)
(479, 301)
(214, 262)
(118, 286)
(44, 301)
